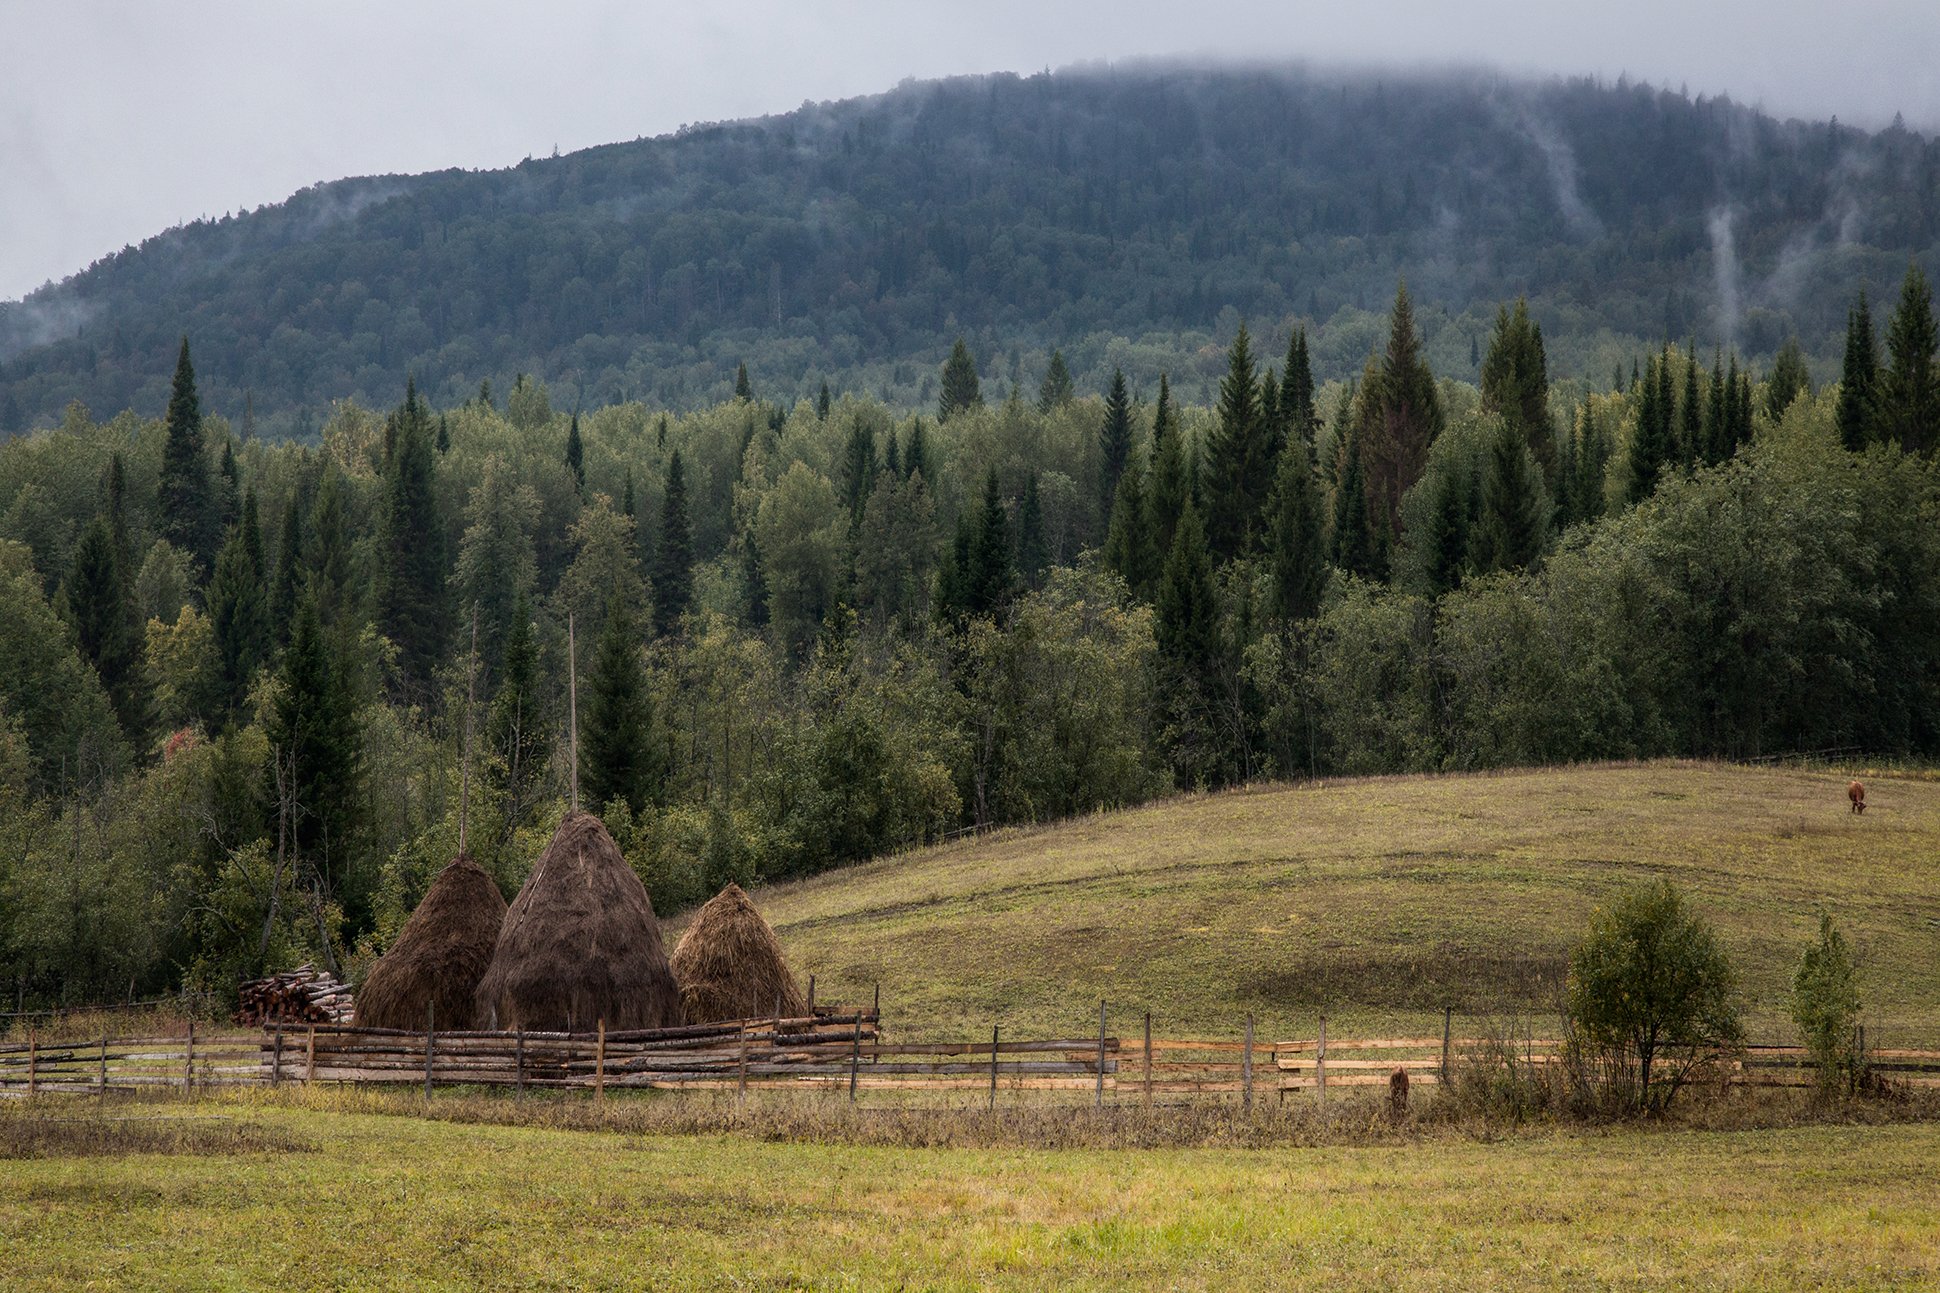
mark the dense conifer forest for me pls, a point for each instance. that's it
(1128, 216)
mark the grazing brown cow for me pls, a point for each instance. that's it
(1857, 793)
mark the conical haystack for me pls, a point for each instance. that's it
(436, 962)
(580, 944)
(729, 965)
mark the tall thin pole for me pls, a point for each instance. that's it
(471, 693)
(572, 704)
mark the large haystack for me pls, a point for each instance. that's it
(729, 965)
(580, 944)
(438, 959)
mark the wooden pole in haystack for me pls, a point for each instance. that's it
(465, 776)
(572, 705)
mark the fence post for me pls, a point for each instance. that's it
(811, 996)
(599, 1068)
(1320, 1063)
(104, 1062)
(741, 1084)
(1246, 1069)
(855, 1055)
(1148, 1059)
(430, 1042)
(993, 1068)
(310, 1057)
(33, 1060)
(1441, 1076)
(276, 1058)
(1098, 1100)
(876, 1009)
(518, 1061)
(188, 1063)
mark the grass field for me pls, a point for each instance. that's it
(1379, 901)
(364, 1202)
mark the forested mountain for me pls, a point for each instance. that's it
(1131, 216)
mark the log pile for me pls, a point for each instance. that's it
(305, 995)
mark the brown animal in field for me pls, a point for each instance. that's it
(1398, 1093)
(1857, 793)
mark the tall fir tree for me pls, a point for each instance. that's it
(1293, 535)
(1509, 532)
(1691, 447)
(1238, 473)
(1114, 441)
(1909, 389)
(754, 584)
(916, 460)
(1650, 446)
(620, 762)
(186, 494)
(1859, 379)
(1353, 539)
(990, 577)
(1789, 380)
(743, 388)
(1033, 548)
(1408, 422)
(823, 403)
(1186, 629)
(859, 469)
(1442, 553)
(1055, 391)
(412, 590)
(239, 620)
(1130, 547)
(97, 599)
(576, 454)
(1515, 381)
(1297, 413)
(1717, 415)
(961, 389)
(313, 783)
(1592, 465)
(287, 588)
(673, 556)
(1169, 484)
(228, 488)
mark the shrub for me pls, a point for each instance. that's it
(1651, 991)
(1825, 1006)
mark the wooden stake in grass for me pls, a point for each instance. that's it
(310, 1057)
(572, 706)
(188, 1063)
(1148, 1059)
(1320, 1063)
(993, 1068)
(518, 1060)
(430, 1042)
(104, 1063)
(855, 1057)
(33, 1060)
(1246, 1070)
(276, 1059)
(599, 1068)
(1098, 1100)
(1448, 1014)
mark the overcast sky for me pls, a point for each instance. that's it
(119, 118)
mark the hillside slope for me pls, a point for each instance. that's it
(851, 241)
(1379, 901)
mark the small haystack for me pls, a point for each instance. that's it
(580, 944)
(439, 958)
(729, 965)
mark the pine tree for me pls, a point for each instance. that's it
(288, 586)
(1859, 380)
(1650, 447)
(859, 470)
(1237, 469)
(823, 403)
(1033, 549)
(1169, 485)
(754, 584)
(620, 762)
(892, 458)
(186, 499)
(1293, 535)
(1508, 534)
(1409, 419)
(239, 618)
(916, 462)
(1717, 416)
(1788, 381)
(412, 590)
(1691, 447)
(1114, 441)
(576, 454)
(1353, 540)
(743, 389)
(1515, 381)
(1130, 549)
(228, 488)
(96, 596)
(444, 435)
(313, 782)
(961, 390)
(1055, 391)
(1909, 389)
(1187, 632)
(673, 556)
(1297, 392)
(1592, 465)
(990, 577)
(1443, 552)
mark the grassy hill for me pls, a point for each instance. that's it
(1378, 901)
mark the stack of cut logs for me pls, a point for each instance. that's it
(305, 995)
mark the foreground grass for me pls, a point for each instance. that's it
(1379, 901)
(360, 1201)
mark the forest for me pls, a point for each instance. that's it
(250, 688)
(1127, 216)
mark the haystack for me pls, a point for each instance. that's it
(580, 944)
(438, 959)
(729, 965)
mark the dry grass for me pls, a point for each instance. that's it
(1378, 901)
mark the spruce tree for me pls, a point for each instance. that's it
(1130, 549)
(990, 576)
(288, 586)
(1409, 418)
(576, 454)
(1442, 554)
(444, 435)
(1858, 379)
(1592, 465)
(619, 762)
(892, 457)
(916, 462)
(1169, 485)
(1788, 381)
(1187, 632)
(1055, 390)
(1650, 446)
(1114, 441)
(859, 469)
(754, 584)
(412, 590)
(1691, 447)
(1293, 536)
(1717, 416)
(961, 390)
(1909, 389)
(186, 498)
(1237, 469)
(312, 786)
(1508, 534)
(1033, 548)
(1353, 540)
(239, 620)
(228, 489)
(743, 389)
(823, 403)
(1515, 381)
(115, 492)
(673, 556)
(1297, 392)
(97, 598)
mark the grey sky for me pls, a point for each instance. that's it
(119, 119)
